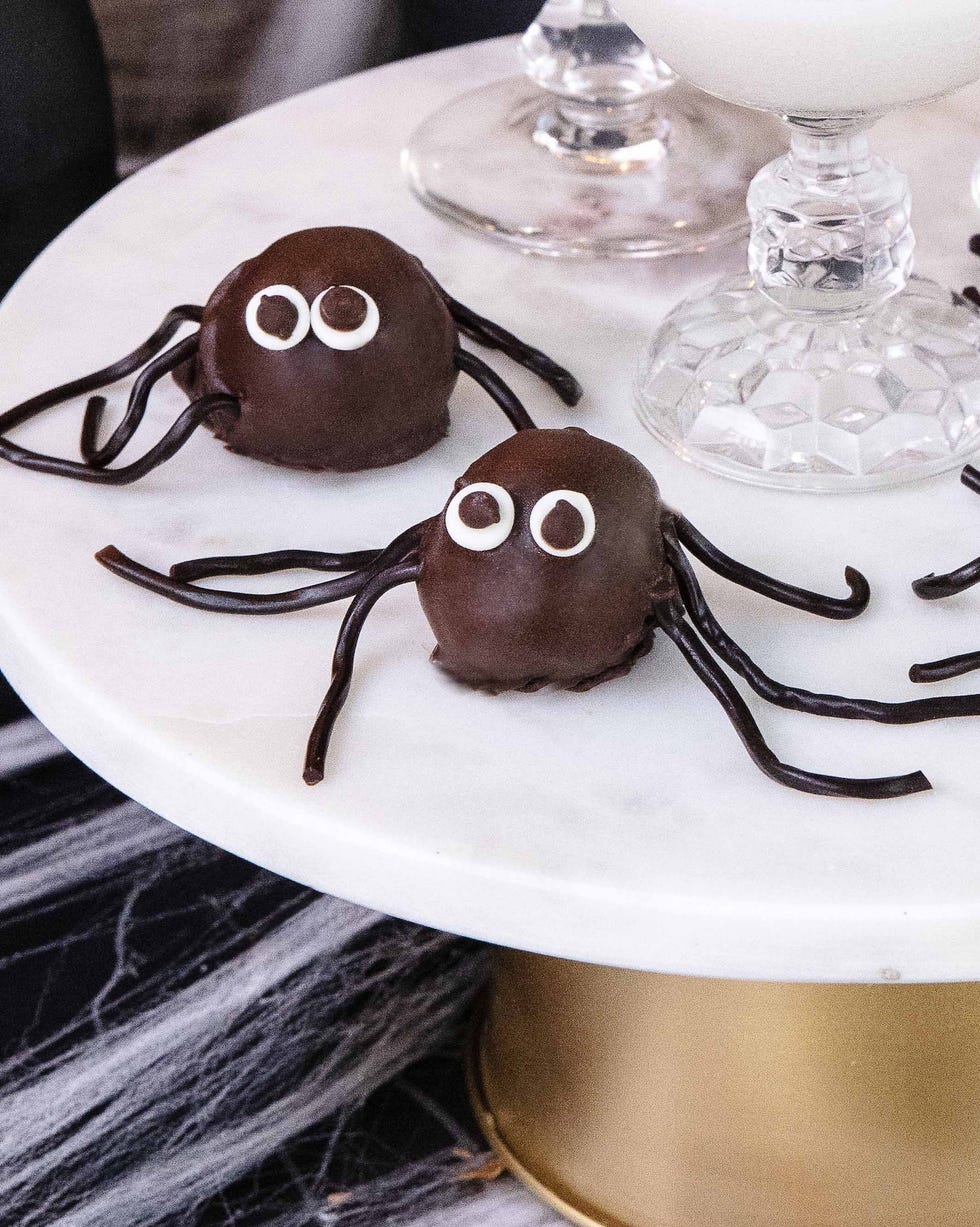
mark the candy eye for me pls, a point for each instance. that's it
(344, 317)
(563, 523)
(480, 516)
(277, 317)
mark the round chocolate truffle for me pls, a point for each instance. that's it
(338, 348)
(545, 564)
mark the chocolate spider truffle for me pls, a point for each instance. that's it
(545, 565)
(553, 561)
(332, 349)
(344, 333)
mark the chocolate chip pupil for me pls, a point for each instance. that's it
(479, 510)
(563, 527)
(343, 309)
(277, 316)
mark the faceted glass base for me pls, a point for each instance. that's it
(499, 161)
(813, 402)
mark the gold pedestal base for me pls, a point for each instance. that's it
(630, 1099)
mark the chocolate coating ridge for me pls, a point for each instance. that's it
(516, 617)
(314, 407)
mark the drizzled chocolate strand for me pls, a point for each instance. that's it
(492, 336)
(671, 620)
(914, 711)
(494, 386)
(840, 608)
(943, 670)
(195, 415)
(154, 371)
(219, 601)
(934, 587)
(382, 581)
(274, 560)
(108, 374)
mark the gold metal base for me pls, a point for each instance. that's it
(631, 1099)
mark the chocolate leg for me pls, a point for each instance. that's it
(275, 560)
(710, 673)
(404, 572)
(491, 383)
(935, 587)
(162, 365)
(192, 417)
(916, 711)
(109, 374)
(943, 670)
(218, 601)
(787, 594)
(491, 335)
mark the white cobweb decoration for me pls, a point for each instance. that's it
(181, 1079)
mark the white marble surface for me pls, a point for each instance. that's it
(624, 826)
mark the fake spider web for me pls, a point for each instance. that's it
(245, 1052)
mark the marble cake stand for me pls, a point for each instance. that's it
(624, 827)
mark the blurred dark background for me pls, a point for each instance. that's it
(93, 90)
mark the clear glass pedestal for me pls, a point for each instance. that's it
(736, 385)
(597, 151)
(828, 367)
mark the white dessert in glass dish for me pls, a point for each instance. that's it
(815, 57)
(831, 367)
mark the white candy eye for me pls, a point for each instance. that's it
(278, 317)
(344, 317)
(563, 523)
(480, 516)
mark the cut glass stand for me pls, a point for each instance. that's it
(597, 150)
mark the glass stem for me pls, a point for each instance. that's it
(599, 80)
(831, 228)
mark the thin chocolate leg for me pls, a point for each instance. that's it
(491, 335)
(290, 560)
(109, 374)
(934, 587)
(710, 673)
(494, 386)
(405, 572)
(943, 670)
(192, 417)
(916, 711)
(275, 560)
(219, 601)
(162, 365)
(840, 608)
